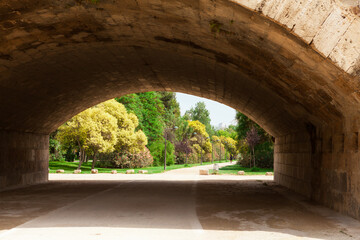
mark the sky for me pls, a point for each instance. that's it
(219, 113)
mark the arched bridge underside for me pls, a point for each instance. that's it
(290, 65)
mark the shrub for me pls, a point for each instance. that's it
(56, 154)
(69, 155)
(126, 159)
(158, 152)
(255, 169)
(264, 156)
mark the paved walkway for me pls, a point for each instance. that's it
(161, 206)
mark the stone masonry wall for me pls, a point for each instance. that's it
(23, 159)
(339, 175)
(292, 162)
(324, 167)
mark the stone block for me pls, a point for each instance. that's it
(346, 52)
(143, 171)
(76, 171)
(113, 172)
(60, 171)
(241, 173)
(130, 171)
(94, 171)
(204, 172)
(269, 174)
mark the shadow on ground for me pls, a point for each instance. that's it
(249, 205)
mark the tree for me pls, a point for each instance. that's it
(74, 133)
(263, 151)
(228, 132)
(252, 139)
(201, 114)
(129, 139)
(156, 112)
(184, 147)
(102, 129)
(245, 124)
(149, 109)
(200, 138)
(158, 153)
(230, 145)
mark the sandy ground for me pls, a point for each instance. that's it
(179, 204)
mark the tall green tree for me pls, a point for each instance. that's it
(171, 109)
(263, 150)
(245, 124)
(201, 114)
(149, 109)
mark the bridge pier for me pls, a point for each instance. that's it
(24, 158)
(322, 165)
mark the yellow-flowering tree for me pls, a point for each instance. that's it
(93, 130)
(230, 145)
(101, 132)
(74, 133)
(127, 138)
(101, 129)
(200, 138)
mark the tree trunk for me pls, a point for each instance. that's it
(94, 161)
(81, 159)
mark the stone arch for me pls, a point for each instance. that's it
(292, 66)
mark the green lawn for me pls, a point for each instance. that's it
(69, 167)
(233, 169)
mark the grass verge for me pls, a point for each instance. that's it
(233, 170)
(69, 167)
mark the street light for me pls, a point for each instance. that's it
(166, 136)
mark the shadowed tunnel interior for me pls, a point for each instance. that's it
(58, 58)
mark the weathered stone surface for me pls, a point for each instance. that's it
(204, 172)
(77, 171)
(113, 172)
(94, 171)
(143, 171)
(291, 65)
(130, 171)
(24, 158)
(241, 173)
